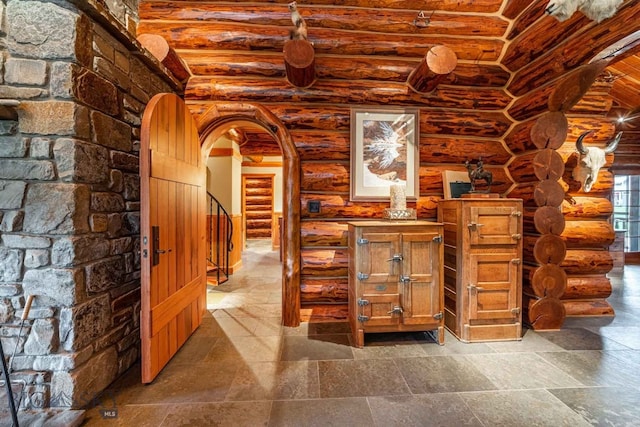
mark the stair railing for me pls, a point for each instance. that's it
(220, 232)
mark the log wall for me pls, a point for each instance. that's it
(486, 107)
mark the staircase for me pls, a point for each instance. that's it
(219, 238)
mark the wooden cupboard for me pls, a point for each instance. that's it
(395, 277)
(482, 268)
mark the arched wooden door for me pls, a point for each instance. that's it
(173, 264)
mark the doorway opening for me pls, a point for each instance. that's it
(220, 119)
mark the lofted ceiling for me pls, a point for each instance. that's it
(365, 50)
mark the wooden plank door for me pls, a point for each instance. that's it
(173, 233)
(257, 205)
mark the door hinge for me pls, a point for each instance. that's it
(515, 311)
(516, 236)
(438, 316)
(362, 318)
(362, 241)
(516, 214)
(515, 261)
(363, 302)
(362, 276)
(438, 239)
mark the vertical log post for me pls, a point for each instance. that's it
(437, 64)
(544, 310)
(299, 62)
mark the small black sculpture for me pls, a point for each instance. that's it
(478, 173)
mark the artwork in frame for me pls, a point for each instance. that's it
(455, 183)
(384, 152)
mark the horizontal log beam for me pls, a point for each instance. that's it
(270, 64)
(370, 19)
(234, 37)
(587, 208)
(339, 207)
(543, 35)
(435, 149)
(596, 234)
(329, 118)
(526, 11)
(580, 262)
(342, 92)
(588, 308)
(485, 6)
(584, 287)
(321, 145)
(324, 233)
(325, 177)
(324, 262)
(551, 64)
(333, 290)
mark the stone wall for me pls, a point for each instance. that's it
(69, 196)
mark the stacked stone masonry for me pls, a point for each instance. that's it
(70, 197)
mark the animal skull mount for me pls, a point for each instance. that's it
(591, 159)
(597, 10)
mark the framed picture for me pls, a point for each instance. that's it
(384, 152)
(455, 183)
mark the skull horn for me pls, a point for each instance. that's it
(613, 144)
(579, 145)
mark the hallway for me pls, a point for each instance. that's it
(241, 368)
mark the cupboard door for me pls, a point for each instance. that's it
(494, 225)
(380, 310)
(419, 281)
(377, 272)
(493, 287)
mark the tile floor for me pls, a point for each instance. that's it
(241, 368)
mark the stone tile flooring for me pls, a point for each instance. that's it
(241, 368)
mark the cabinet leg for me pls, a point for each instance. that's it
(358, 337)
(441, 335)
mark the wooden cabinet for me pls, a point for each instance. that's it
(395, 277)
(482, 268)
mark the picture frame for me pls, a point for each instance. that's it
(384, 152)
(455, 183)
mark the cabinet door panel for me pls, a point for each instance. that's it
(497, 225)
(380, 257)
(493, 290)
(419, 281)
(380, 310)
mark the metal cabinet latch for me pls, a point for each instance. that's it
(396, 258)
(473, 226)
(396, 310)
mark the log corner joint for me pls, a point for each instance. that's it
(436, 65)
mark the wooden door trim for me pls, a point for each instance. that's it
(219, 119)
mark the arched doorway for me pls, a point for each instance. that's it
(218, 120)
